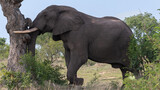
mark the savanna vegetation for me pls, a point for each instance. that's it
(4, 49)
(47, 69)
(144, 52)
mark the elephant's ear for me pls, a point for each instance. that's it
(67, 21)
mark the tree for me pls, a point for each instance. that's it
(2, 41)
(49, 49)
(142, 24)
(145, 47)
(142, 47)
(4, 49)
(18, 42)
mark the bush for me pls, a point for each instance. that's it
(143, 48)
(156, 43)
(42, 70)
(38, 71)
(11, 79)
(141, 51)
(150, 80)
(4, 49)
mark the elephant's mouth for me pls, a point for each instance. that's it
(26, 31)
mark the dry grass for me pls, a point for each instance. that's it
(106, 76)
(104, 72)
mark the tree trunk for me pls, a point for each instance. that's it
(18, 42)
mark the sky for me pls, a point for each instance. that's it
(97, 8)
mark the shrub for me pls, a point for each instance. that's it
(156, 42)
(38, 71)
(150, 80)
(144, 53)
(142, 47)
(42, 70)
(4, 49)
(11, 79)
(142, 50)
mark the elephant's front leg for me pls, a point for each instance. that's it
(67, 57)
(77, 59)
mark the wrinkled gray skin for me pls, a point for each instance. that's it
(103, 40)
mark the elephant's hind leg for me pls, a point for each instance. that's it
(123, 70)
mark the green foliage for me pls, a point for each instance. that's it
(142, 48)
(156, 43)
(4, 52)
(144, 52)
(2, 41)
(150, 80)
(142, 24)
(49, 49)
(38, 71)
(11, 79)
(4, 49)
(134, 54)
(42, 70)
(141, 53)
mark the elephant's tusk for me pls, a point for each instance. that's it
(26, 31)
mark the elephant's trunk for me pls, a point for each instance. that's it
(32, 43)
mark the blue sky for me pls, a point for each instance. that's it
(98, 8)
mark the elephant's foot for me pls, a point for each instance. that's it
(77, 81)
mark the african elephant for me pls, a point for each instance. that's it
(103, 40)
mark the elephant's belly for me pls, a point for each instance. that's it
(105, 54)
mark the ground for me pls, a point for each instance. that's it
(99, 75)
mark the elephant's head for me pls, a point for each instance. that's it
(57, 19)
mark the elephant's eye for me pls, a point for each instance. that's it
(45, 15)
